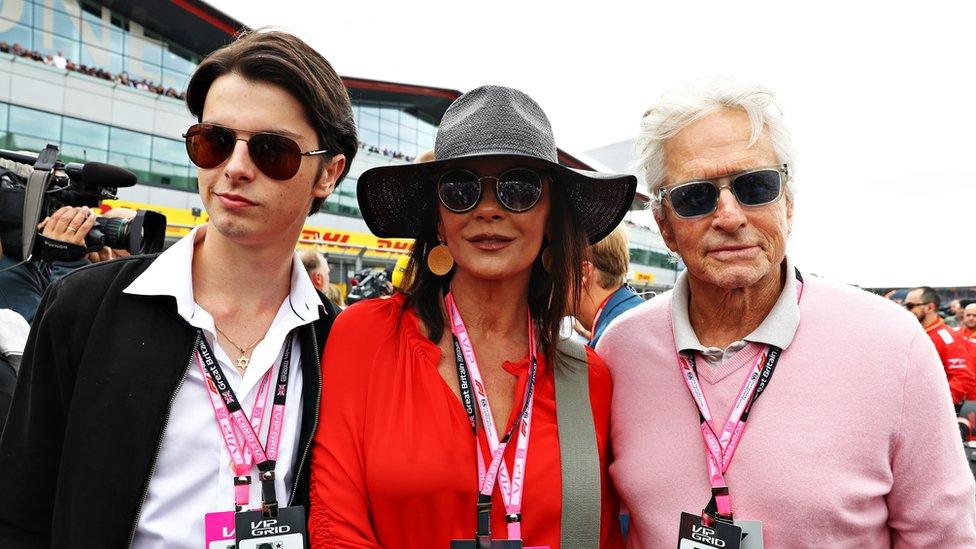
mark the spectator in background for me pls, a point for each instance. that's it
(954, 319)
(334, 293)
(60, 61)
(923, 302)
(967, 330)
(317, 268)
(606, 294)
(854, 442)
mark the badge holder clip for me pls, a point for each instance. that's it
(483, 536)
(269, 501)
(711, 511)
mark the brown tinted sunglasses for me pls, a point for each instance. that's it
(277, 156)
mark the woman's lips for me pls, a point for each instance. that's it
(490, 242)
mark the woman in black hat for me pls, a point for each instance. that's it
(453, 411)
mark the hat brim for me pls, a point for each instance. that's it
(394, 200)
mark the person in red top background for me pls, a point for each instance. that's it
(923, 302)
(967, 333)
(423, 390)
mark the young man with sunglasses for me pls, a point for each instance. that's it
(160, 394)
(853, 442)
(923, 302)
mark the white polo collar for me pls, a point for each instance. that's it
(777, 329)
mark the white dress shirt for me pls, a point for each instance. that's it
(193, 475)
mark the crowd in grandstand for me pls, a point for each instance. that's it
(60, 61)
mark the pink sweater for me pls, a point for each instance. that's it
(854, 443)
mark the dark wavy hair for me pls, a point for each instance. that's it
(551, 292)
(284, 60)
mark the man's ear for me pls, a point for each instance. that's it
(318, 280)
(326, 182)
(587, 269)
(664, 227)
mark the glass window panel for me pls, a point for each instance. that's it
(175, 80)
(50, 44)
(408, 120)
(369, 120)
(39, 124)
(3, 117)
(425, 141)
(168, 173)
(103, 59)
(177, 61)
(138, 70)
(390, 114)
(17, 12)
(388, 127)
(388, 142)
(78, 153)
(15, 34)
(148, 51)
(97, 33)
(57, 21)
(170, 150)
(369, 137)
(81, 132)
(130, 143)
(135, 164)
(27, 143)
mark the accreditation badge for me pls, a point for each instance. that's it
(692, 534)
(219, 530)
(286, 531)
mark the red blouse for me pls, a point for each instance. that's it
(393, 463)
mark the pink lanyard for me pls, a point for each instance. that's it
(227, 408)
(720, 449)
(511, 488)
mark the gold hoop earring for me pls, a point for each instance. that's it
(439, 260)
(547, 259)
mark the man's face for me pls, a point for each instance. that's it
(734, 246)
(955, 307)
(244, 204)
(915, 304)
(969, 316)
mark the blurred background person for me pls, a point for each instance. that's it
(968, 328)
(317, 268)
(954, 316)
(923, 302)
(606, 294)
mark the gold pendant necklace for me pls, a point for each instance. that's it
(243, 360)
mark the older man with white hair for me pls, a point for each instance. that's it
(854, 441)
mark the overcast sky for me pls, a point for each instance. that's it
(880, 97)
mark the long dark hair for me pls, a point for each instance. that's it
(551, 293)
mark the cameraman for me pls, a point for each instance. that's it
(21, 288)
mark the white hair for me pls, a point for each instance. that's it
(681, 107)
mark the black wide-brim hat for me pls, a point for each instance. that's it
(490, 121)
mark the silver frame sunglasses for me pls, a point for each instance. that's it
(481, 189)
(784, 175)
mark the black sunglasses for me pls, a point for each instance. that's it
(277, 156)
(517, 189)
(751, 188)
(910, 306)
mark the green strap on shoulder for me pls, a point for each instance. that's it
(579, 459)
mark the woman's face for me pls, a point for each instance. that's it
(490, 242)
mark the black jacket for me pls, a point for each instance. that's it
(100, 372)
